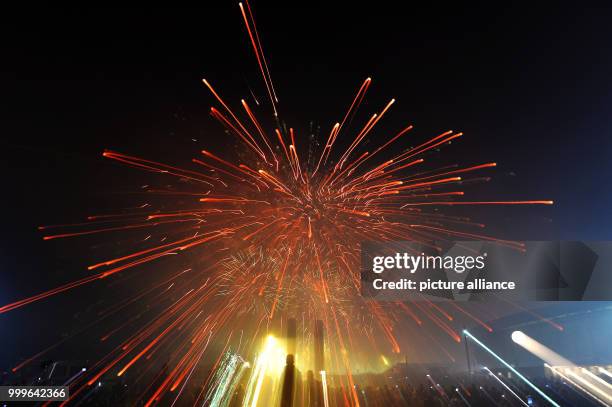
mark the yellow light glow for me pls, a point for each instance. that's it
(269, 363)
(324, 385)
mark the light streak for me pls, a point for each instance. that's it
(324, 385)
(539, 350)
(554, 359)
(505, 386)
(279, 231)
(604, 371)
(513, 370)
(558, 371)
(269, 360)
(467, 403)
(225, 381)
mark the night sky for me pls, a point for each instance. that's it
(531, 89)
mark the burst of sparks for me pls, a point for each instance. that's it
(280, 237)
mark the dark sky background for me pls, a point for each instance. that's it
(530, 87)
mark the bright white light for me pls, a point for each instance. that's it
(518, 336)
(574, 383)
(581, 375)
(270, 362)
(604, 371)
(324, 385)
(539, 350)
(523, 378)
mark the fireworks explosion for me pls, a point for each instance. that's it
(276, 235)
